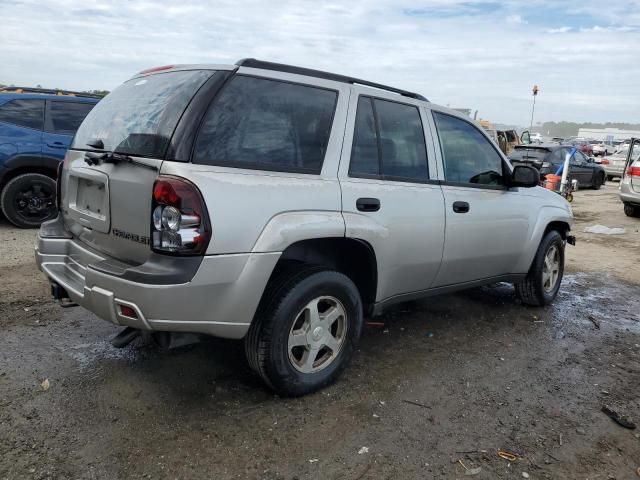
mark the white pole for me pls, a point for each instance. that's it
(565, 169)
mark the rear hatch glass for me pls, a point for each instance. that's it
(139, 117)
(108, 206)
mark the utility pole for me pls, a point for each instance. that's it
(533, 109)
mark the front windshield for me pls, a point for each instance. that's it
(138, 117)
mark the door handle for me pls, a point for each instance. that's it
(461, 207)
(368, 204)
(56, 145)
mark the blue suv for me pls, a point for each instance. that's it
(36, 128)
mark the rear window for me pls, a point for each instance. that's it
(138, 117)
(528, 154)
(66, 117)
(267, 124)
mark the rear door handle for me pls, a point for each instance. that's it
(57, 145)
(461, 207)
(368, 204)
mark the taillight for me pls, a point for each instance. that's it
(633, 171)
(59, 186)
(179, 219)
(605, 161)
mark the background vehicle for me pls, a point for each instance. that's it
(582, 144)
(36, 128)
(547, 158)
(281, 204)
(601, 148)
(630, 183)
(614, 165)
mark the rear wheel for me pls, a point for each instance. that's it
(598, 181)
(631, 210)
(305, 330)
(542, 283)
(29, 199)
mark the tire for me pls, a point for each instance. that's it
(532, 290)
(285, 309)
(631, 210)
(598, 181)
(29, 199)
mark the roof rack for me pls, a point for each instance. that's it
(50, 91)
(281, 67)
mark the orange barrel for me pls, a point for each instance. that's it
(553, 182)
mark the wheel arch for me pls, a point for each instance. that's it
(354, 258)
(22, 164)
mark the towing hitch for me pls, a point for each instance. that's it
(61, 296)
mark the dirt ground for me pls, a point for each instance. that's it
(432, 394)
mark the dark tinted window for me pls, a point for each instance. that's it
(394, 143)
(138, 117)
(528, 154)
(469, 156)
(267, 124)
(26, 113)
(364, 152)
(558, 156)
(66, 117)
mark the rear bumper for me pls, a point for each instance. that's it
(628, 194)
(220, 299)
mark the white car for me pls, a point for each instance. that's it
(601, 149)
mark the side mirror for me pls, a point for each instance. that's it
(525, 176)
(591, 159)
(525, 137)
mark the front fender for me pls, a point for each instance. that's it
(546, 215)
(288, 228)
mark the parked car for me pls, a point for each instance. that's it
(282, 204)
(582, 144)
(548, 158)
(614, 165)
(630, 183)
(36, 128)
(601, 148)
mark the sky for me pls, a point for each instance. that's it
(483, 55)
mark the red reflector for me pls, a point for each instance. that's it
(605, 161)
(127, 311)
(633, 171)
(156, 69)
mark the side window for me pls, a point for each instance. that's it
(388, 141)
(364, 152)
(468, 155)
(267, 125)
(66, 117)
(25, 113)
(557, 157)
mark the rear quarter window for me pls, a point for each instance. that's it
(265, 124)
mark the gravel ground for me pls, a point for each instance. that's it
(434, 393)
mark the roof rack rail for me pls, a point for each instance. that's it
(50, 91)
(281, 67)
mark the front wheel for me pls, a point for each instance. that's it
(542, 283)
(305, 330)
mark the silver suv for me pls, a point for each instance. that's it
(281, 205)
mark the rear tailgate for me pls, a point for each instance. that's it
(107, 205)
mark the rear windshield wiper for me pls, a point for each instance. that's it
(96, 158)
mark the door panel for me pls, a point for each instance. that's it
(487, 240)
(406, 234)
(391, 160)
(486, 224)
